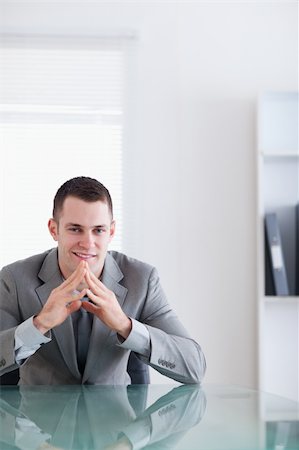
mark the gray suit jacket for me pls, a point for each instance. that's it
(25, 287)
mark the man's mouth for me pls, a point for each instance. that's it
(84, 256)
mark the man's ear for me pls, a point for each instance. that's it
(53, 228)
(112, 230)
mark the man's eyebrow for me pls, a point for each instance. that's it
(70, 224)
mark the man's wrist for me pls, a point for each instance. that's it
(39, 325)
(126, 328)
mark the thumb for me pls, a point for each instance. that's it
(74, 306)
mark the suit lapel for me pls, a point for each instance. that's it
(64, 333)
(110, 277)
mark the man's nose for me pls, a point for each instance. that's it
(87, 240)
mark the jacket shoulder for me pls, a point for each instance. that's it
(131, 265)
(31, 264)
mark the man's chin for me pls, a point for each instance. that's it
(95, 267)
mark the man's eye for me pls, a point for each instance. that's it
(99, 231)
(74, 230)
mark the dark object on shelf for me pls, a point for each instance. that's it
(297, 250)
(269, 280)
(275, 253)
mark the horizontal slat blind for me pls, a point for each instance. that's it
(61, 115)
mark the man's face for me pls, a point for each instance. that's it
(83, 232)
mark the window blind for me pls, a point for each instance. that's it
(61, 115)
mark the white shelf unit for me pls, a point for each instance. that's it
(278, 191)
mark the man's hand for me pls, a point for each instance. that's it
(62, 301)
(121, 444)
(105, 306)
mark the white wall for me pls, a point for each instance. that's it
(190, 149)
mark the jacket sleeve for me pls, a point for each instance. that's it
(9, 320)
(173, 352)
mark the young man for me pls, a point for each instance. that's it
(73, 314)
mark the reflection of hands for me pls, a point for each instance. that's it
(122, 444)
(62, 301)
(105, 305)
(47, 446)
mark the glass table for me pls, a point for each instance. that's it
(146, 416)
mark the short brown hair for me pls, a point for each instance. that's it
(84, 188)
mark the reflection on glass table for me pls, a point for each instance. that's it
(96, 417)
(145, 416)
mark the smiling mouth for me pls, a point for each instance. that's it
(84, 256)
